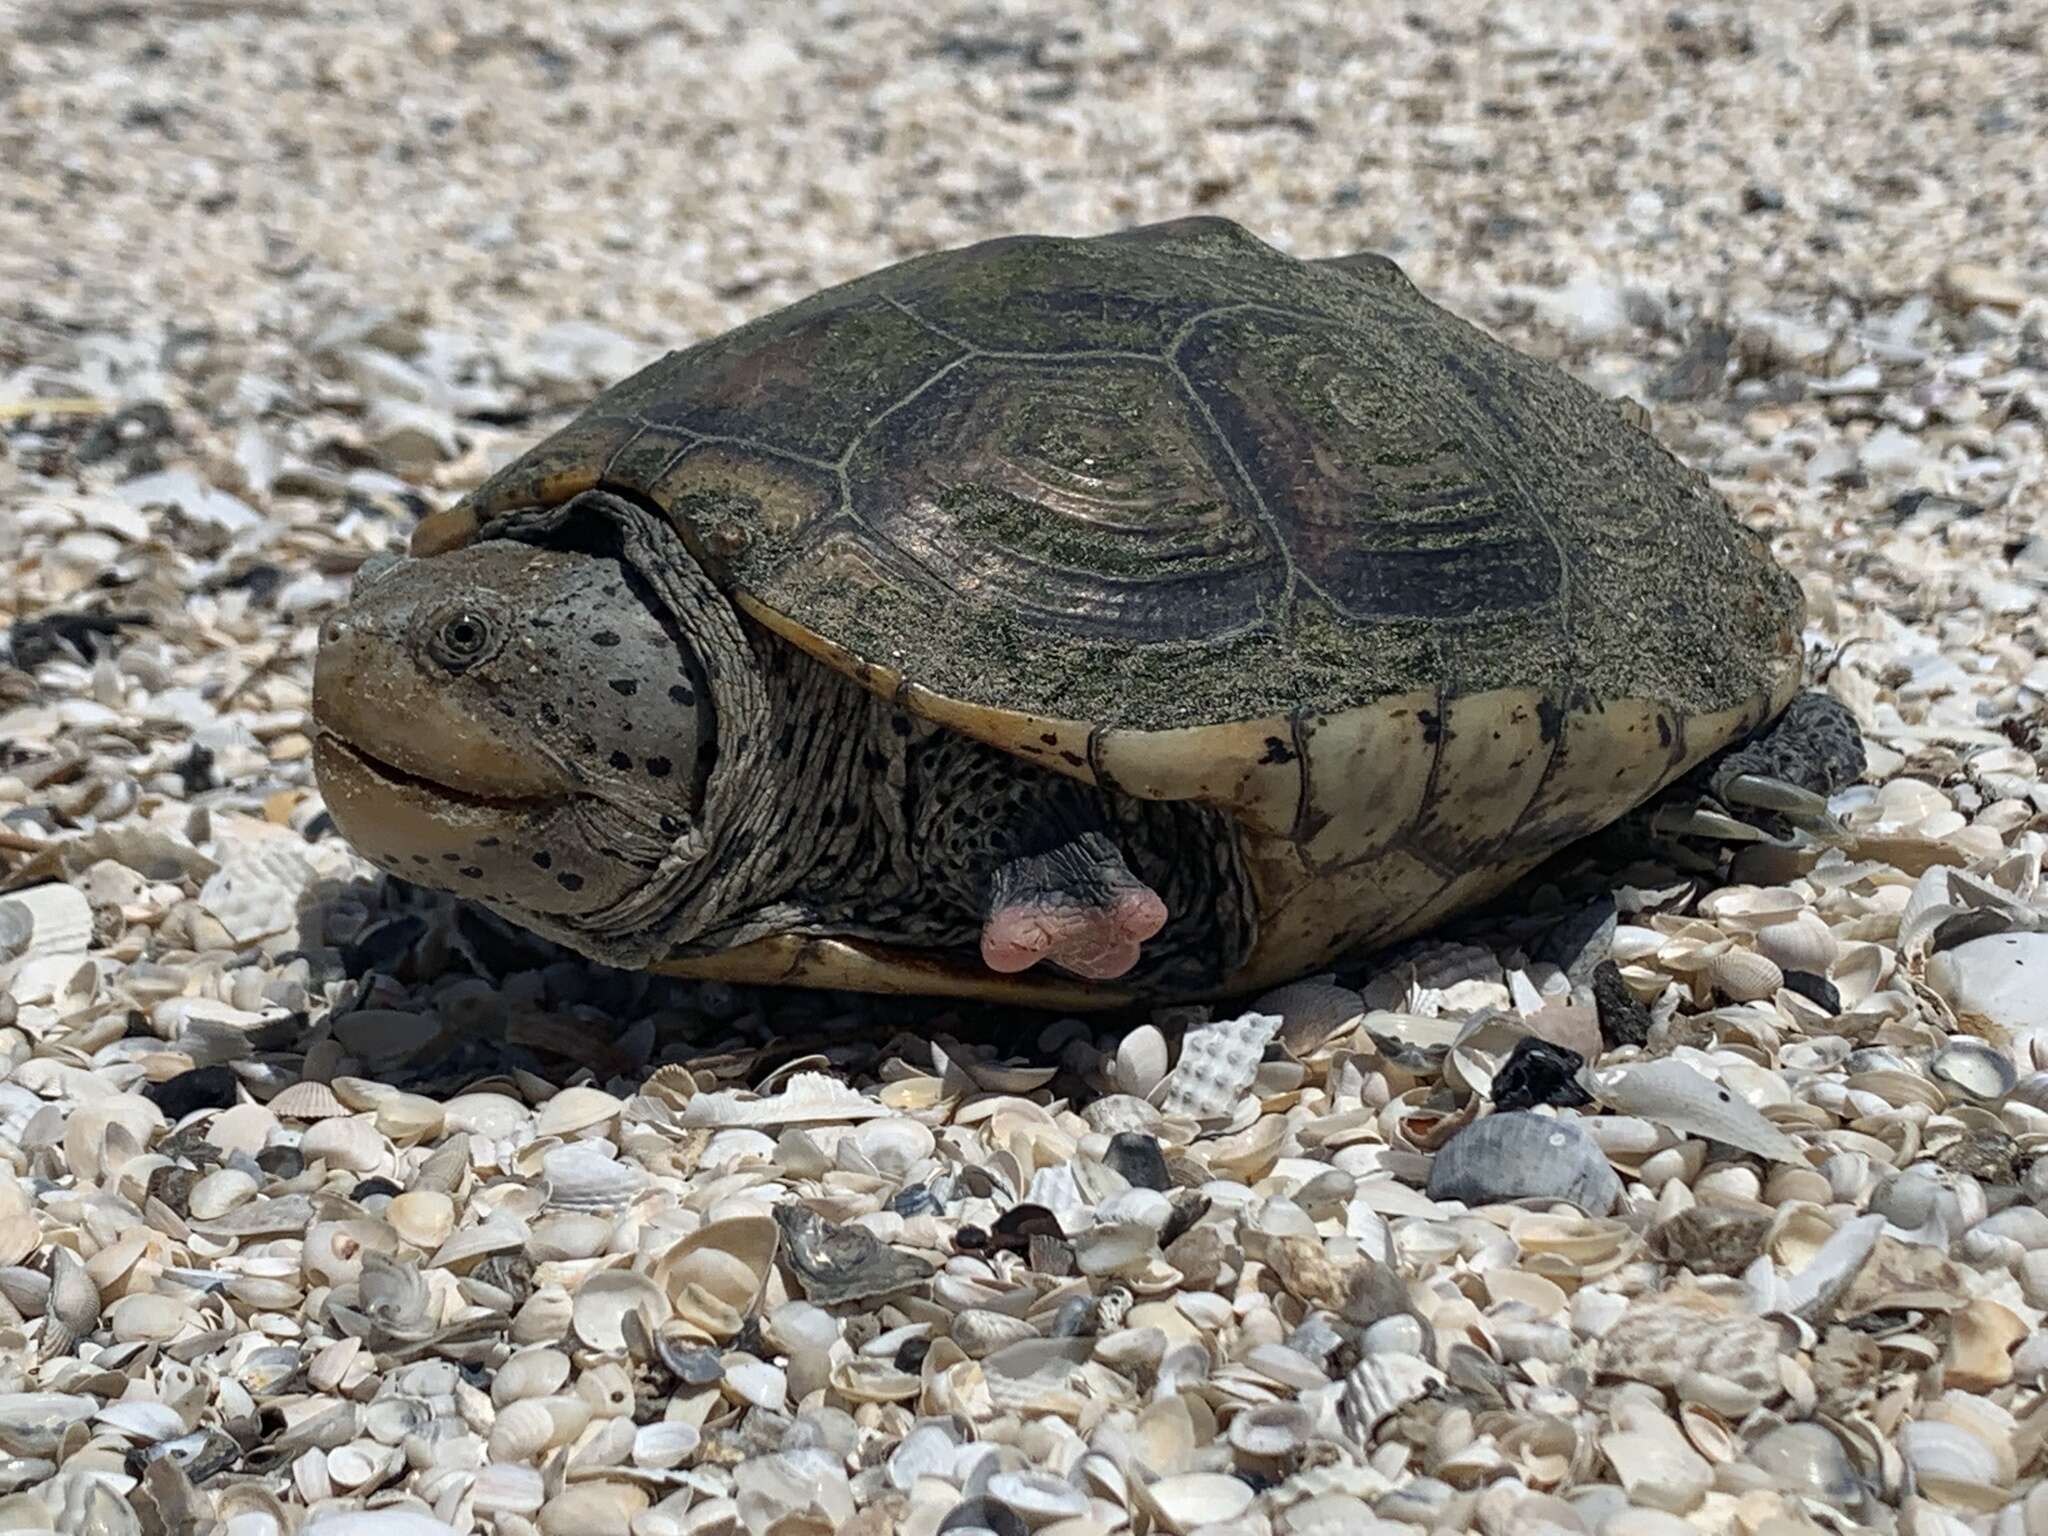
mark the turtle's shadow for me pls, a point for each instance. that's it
(399, 945)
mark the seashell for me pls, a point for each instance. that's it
(1522, 1155)
(521, 1431)
(1189, 1500)
(1140, 1064)
(1744, 976)
(1379, 1385)
(530, 1373)
(570, 1235)
(43, 921)
(1218, 1063)
(1671, 1094)
(1983, 1335)
(808, 1098)
(867, 1380)
(1312, 1013)
(1974, 1069)
(604, 1299)
(143, 1422)
(575, 1110)
(580, 1177)
(72, 1307)
(219, 1192)
(594, 1509)
(350, 1142)
(144, 1317)
(507, 1488)
(979, 1331)
(659, 1447)
(1953, 1465)
(307, 1101)
(1115, 1247)
(890, 1147)
(755, 1382)
(422, 1217)
(717, 1276)
(1804, 943)
(1269, 1433)
(837, 1265)
(1038, 1498)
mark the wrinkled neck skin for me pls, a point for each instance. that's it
(797, 747)
(829, 811)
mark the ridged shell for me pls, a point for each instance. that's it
(583, 1178)
(1743, 976)
(979, 1331)
(1520, 1156)
(307, 1101)
(1804, 943)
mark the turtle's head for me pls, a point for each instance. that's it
(511, 722)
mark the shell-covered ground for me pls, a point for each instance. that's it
(327, 1207)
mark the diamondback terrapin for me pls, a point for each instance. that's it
(1150, 615)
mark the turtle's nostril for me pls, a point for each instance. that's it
(332, 632)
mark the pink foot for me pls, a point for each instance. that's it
(1094, 932)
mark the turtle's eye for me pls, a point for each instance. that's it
(462, 639)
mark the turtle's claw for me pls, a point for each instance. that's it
(1801, 807)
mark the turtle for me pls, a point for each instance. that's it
(1078, 620)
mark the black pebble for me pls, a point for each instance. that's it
(281, 1162)
(1623, 1020)
(1137, 1157)
(1537, 1072)
(1818, 988)
(371, 1189)
(910, 1357)
(201, 1088)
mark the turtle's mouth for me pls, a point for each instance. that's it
(339, 760)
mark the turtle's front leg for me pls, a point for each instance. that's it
(1077, 906)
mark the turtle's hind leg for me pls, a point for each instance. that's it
(1776, 782)
(1077, 906)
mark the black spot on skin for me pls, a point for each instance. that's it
(620, 761)
(678, 694)
(451, 858)
(1549, 719)
(421, 858)
(1432, 726)
(624, 687)
(471, 872)
(659, 767)
(1074, 757)
(900, 724)
(606, 638)
(1050, 739)
(487, 842)
(543, 860)
(1277, 751)
(569, 882)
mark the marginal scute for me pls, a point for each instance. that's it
(1494, 754)
(1368, 772)
(1251, 766)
